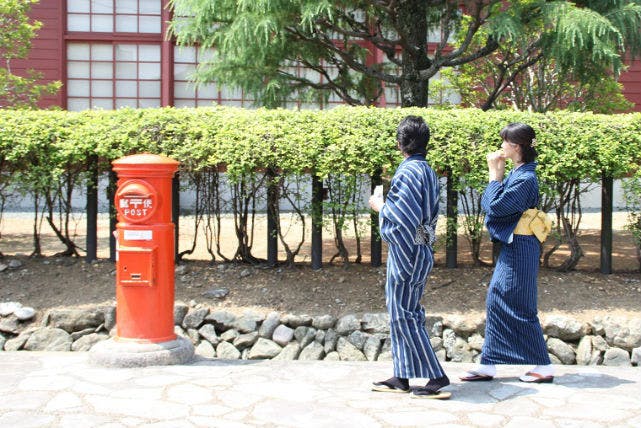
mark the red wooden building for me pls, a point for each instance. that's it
(112, 53)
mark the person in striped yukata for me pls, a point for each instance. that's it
(513, 333)
(407, 223)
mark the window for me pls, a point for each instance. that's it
(120, 16)
(109, 76)
(189, 94)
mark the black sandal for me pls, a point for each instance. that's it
(392, 384)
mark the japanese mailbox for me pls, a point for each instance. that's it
(145, 248)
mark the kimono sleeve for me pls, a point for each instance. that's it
(401, 213)
(500, 200)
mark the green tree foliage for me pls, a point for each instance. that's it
(568, 56)
(259, 45)
(15, 42)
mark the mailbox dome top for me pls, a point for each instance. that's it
(147, 159)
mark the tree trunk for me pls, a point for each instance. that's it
(412, 17)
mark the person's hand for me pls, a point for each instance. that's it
(376, 203)
(496, 165)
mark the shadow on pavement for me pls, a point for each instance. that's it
(589, 380)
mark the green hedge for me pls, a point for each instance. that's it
(343, 140)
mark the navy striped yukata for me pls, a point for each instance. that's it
(412, 201)
(513, 333)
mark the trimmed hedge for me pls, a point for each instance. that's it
(347, 140)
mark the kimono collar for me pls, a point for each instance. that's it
(417, 157)
(530, 166)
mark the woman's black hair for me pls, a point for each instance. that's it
(412, 135)
(523, 135)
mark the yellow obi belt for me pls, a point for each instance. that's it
(534, 222)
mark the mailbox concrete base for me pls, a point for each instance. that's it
(114, 353)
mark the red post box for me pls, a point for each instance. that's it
(145, 249)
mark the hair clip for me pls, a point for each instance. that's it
(533, 144)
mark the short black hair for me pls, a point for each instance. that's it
(412, 135)
(523, 135)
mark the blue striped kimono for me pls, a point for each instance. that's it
(513, 333)
(411, 204)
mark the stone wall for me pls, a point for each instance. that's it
(216, 333)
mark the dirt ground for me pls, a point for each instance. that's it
(50, 281)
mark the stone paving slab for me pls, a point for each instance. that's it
(44, 389)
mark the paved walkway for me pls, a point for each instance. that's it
(65, 390)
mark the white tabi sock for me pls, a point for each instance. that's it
(546, 370)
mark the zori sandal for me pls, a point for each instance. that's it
(473, 376)
(391, 385)
(534, 377)
(430, 394)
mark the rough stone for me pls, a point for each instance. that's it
(245, 323)
(48, 339)
(323, 322)
(24, 313)
(283, 335)
(216, 293)
(264, 349)
(7, 308)
(78, 334)
(331, 337)
(222, 320)
(565, 328)
(347, 324)
(205, 350)
(476, 342)
(180, 310)
(193, 335)
(71, 320)
(85, 343)
(358, 339)
(320, 336)
(636, 357)
(376, 323)
(109, 314)
(269, 325)
(309, 337)
(435, 329)
(195, 318)
(349, 352)
(372, 348)
(617, 357)
(463, 326)
(9, 325)
(460, 352)
(562, 350)
(584, 351)
(15, 264)
(623, 333)
(294, 321)
(208, 331)
(386, 351)
(332, 356)
(18, 342)
(314, 352)
(227, 351)
(437, 343)
(599, 343)
(290, 352)
(229, 335)
(245, 340)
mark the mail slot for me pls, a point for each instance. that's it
(136, 266)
